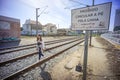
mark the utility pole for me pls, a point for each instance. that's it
(37, 20)
(90, 37)
(91, 30)
(85, 55)
(58, 26)
(85, 46)
(37, 17)
(86, 52)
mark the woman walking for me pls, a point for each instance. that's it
(40, 46)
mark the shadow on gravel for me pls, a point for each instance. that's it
(100, 48)
(44, 74)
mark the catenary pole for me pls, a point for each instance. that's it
(37, 17)
(37, 20)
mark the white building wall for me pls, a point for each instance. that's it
(54, 30)
(50, 29)
(26, 29)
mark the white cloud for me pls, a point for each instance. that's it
(33, 3)
(57, 14)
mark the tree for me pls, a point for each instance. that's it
(21, 28)
(117, 28)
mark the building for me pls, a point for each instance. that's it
(9, 27)
(100, 31)
(49, 29)
(67, 31)
(9, 31)
(29, 27)
(117, 18)
(61, 32)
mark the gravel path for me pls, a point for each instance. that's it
(98, 66)
(113, 57)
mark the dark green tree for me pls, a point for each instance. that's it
(117, 28)
(21, 28)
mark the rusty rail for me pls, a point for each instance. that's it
(38, 63)
(47, 43)
(31, 44)
(21, 57)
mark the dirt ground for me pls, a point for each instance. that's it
(99, 63)
(32, 39)
(113, 57)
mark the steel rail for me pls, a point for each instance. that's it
(30, 44)
(47, 43)
(21, 57)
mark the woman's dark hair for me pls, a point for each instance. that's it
(39, 37)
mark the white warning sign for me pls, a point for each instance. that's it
(91, 18)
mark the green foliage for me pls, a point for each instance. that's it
(117, 28)
(21, 28)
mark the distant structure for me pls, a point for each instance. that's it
(9, 31)
(117, 20)
(49, 29)
(101, 31)
(66, 31)
(29, 27)
(9, 27)
(61, 31)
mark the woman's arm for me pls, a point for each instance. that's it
(43, 45)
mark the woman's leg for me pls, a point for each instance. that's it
(39, 55)
(42, 54)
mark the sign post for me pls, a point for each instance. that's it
(90, 18)
(85, 55)
(91, 30)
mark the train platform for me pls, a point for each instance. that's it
(98, 67)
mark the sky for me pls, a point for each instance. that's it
(57, 12)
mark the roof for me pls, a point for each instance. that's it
(31, 22)
(49, 24)
(5, 18)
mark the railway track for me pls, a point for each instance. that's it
(41, 61)
(31, 54)
(23, 47)
(7, 56)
